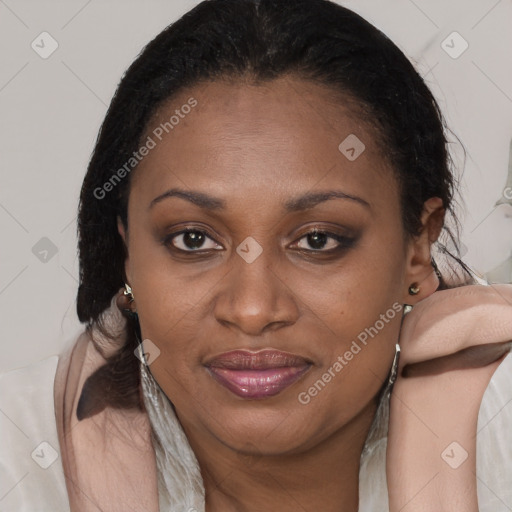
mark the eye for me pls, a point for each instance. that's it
(194, 240)
(323, 241)
(191, 240)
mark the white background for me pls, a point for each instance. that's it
(51, 110)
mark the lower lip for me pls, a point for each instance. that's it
(257, 384)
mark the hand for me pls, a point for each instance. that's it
(451, 344)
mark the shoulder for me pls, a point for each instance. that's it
(32, 475)
(494, 442)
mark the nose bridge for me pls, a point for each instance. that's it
(253, 296)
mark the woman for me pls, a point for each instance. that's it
(260, 211)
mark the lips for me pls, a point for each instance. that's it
(257, 375)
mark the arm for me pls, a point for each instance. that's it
(452, 342)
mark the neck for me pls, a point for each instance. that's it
(324, 477)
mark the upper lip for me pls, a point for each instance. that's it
(261, 360)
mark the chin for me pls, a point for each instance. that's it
(266, 427)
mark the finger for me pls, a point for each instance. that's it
(471, 357)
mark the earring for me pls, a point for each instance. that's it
(124, 300)
(394, 370)
(414, 289)
(394, 367)
(128, 292)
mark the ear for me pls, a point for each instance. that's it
(419, 270)
(124, 235)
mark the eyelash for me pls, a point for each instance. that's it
(343, 241)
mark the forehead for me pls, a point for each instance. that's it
(284, 136)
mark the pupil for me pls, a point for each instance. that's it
(317, 240)
(193, 239)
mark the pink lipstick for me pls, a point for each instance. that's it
(257, 375)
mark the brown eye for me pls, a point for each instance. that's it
(321, 241)
(192, 240)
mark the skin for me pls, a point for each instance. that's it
(255, 148)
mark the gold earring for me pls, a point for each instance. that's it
(128, 292)
(414, 289)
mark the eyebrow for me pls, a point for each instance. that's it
(304, 202)
(198, 198)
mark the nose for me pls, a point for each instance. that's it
(254, 298)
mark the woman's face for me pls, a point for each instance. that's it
(250, 171)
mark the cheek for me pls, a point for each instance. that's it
(355, 290)
(165, 297)
(165, 290)
(356, 316)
